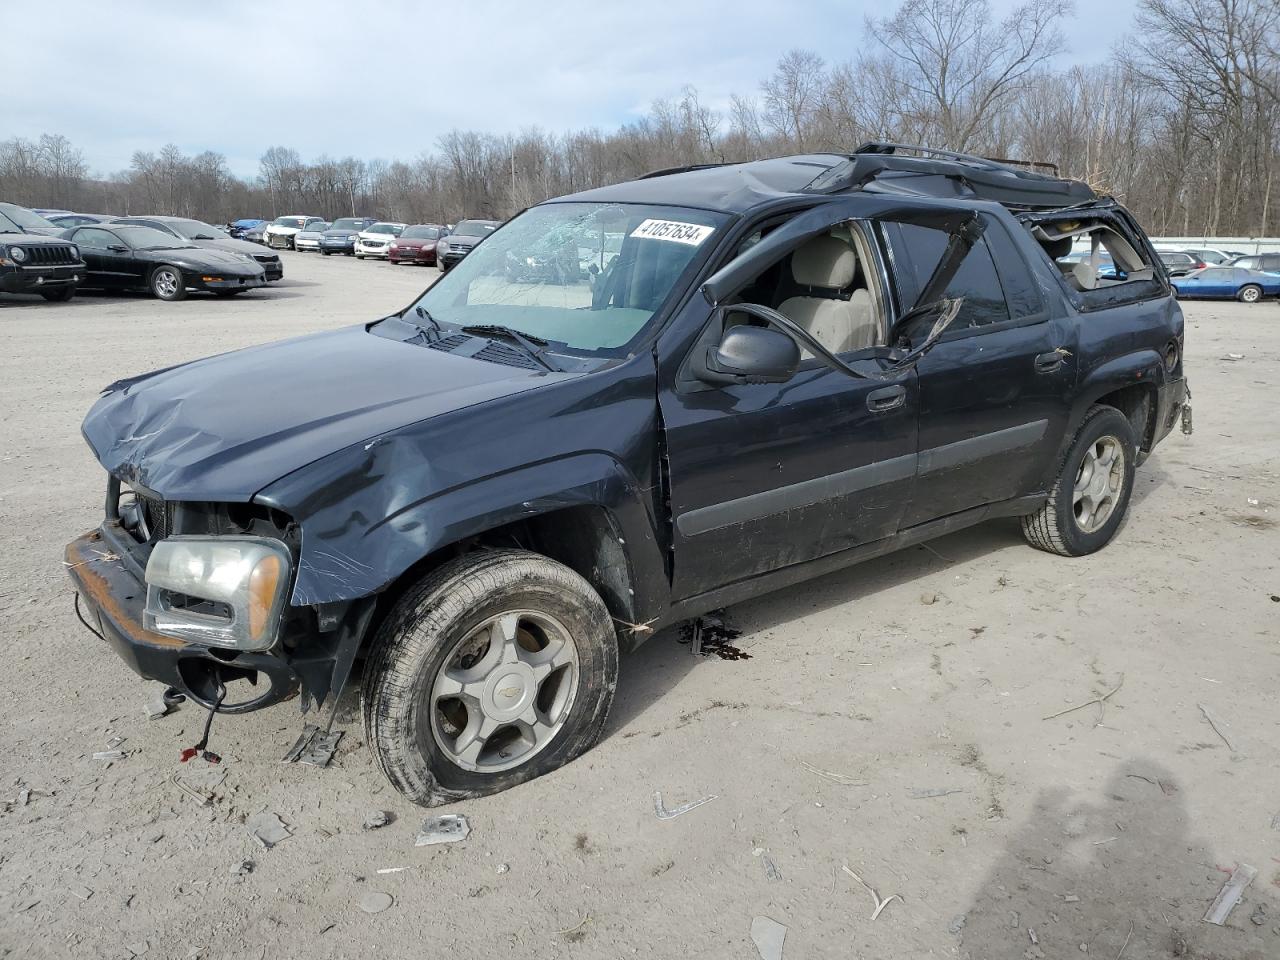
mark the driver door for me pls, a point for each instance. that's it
(767, 475)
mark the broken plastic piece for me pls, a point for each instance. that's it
(665, 814)
(314, 746)
(268, 829)
(1230, 894)
(109, 755)
(450, 828)
(768, 935)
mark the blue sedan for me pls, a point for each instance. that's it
(1228, 283)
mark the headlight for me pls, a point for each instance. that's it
(395, 246)
(18, 254)
(221, 591)
(442, 245)
(353, 238)
(75, 251)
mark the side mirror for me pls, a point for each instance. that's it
(748, 354)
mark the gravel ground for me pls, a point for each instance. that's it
(1099, 832)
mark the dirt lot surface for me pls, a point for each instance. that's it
(890, 718)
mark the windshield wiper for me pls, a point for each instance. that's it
(527, 341)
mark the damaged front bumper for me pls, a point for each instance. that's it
(112, 593)
(1173, 406)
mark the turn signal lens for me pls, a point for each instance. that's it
(263, 581)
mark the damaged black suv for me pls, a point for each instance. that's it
(737, 377)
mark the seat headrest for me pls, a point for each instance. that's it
(824, 262)
(1085, 274)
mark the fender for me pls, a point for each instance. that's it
(355, 545)
(1139, 368)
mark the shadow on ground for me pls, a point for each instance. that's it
(1082, 876)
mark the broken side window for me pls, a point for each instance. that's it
(916, 251)
(1099, 259)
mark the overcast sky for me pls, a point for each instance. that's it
(378, 79)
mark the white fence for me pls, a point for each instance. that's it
(1240, 244)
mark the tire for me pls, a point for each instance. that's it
(1056, 526)
(359, 256)
(1249, 293)
(414, 730)
(324, 253)
(61, 295)
(166, 283)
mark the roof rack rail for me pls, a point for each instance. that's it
(688, 168)
(990, 163)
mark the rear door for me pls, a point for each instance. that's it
(995, 391)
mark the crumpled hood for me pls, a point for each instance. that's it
(223, 428)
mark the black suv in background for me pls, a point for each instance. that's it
(342, 234)
(756, 374)
(451, 249)
(36, 262)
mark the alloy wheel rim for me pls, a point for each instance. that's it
(505, 691)
(1250, 294)
(1099, 483)
(166, 283)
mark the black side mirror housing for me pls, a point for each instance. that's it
(749, 354)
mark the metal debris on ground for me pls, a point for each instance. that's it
(880, 904)
(665, 814)
(158, 706)
(268, 829)
(385, 870)
(84, 893)
(24, 796)
(1230, 894)
(1217, 723)
(839, 778)
(314, 746)
(375, 901)
(109, 755)
(243, 868)
(710, 634)
(115, 742)
(376, 820)
(1234, 356)
(768, 935)
(771, 871)
(449, 828)
(928, 793)
(199, 797)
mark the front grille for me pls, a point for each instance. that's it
(158, 515)
(49, 254)
(266, 258)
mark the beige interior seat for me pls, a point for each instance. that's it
(829, 266)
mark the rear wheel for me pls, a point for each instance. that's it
(1089, 498)
(1249, 293)
(61, 295)
(498, 667)
(167, 284)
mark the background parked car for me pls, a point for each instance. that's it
(342, 233)
(1227, 283)
(417, 244)
(238, 228)
(1266, 262)
(68, 220)
(121, 256)
(35, 263)
(309, 238)
(211, 238)
(283, 229)
(374, 240)
(26, 221)
(462, 241)
(1179, 263)
(1211, 256)
(257, 234)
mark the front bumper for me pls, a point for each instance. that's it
(413, 255)
(279, 241)
(365, 250)
(32, 279)
(452, 258)
(337, 246)
(113, 594)
(273, 270)
(306, 244)
(226, 283)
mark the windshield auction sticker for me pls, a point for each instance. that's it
(691, 233)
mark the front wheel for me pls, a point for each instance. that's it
(324, 253)
(167, 283)
(1249, 293)
(498, 667)
(1089, 498)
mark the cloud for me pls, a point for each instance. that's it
(381, 79)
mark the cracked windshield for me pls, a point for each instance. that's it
(584, 276)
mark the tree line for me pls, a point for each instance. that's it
(1181, 122)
